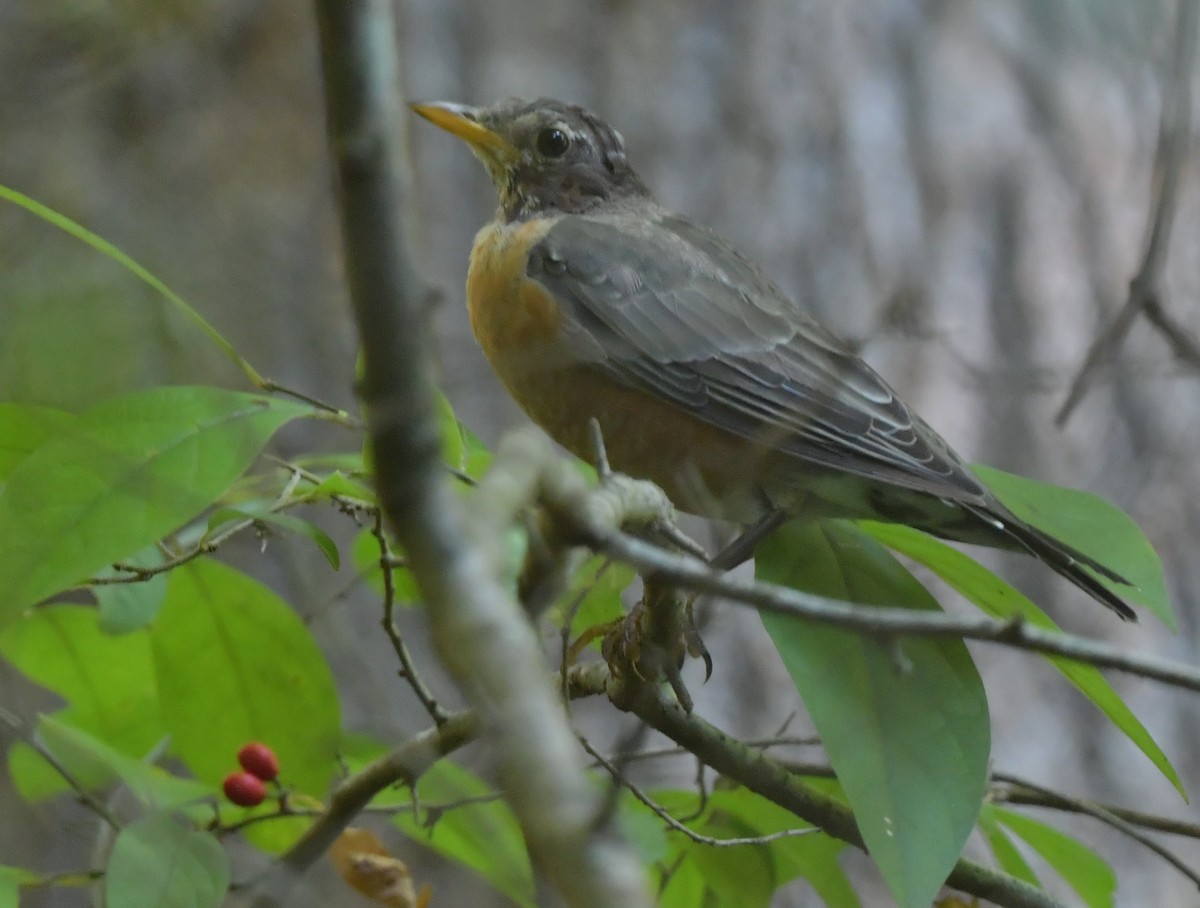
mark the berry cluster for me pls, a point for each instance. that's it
(259, 766)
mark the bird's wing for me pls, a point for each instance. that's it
(671, 309)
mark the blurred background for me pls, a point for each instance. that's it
(961, 188)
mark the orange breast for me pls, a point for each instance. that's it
(517, 323)
(509, 314)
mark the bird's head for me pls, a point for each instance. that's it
(542, 155)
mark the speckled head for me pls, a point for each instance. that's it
(544, 156)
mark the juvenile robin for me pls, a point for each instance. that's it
(590, 299)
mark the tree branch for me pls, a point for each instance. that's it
(764, 776)
(403, 764)
(1018, 791)
(480, 631)
(662, 813)
(889, 622)
(1145, 290)
(408, 669)
(1103, 813)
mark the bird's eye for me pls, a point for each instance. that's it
(552, 142)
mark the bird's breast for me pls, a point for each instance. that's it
(511, 316)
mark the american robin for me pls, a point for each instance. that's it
(590, 299)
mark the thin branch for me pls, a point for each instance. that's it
(1170, 156)
(758, 743)
(346, 419)
(408, 669)
(882, 621)
(30, 737)
(620, 779)
(1109, 818)
(135, 573)
(437, 808)
(347, 503)
(63, 878)
(599, 452)
(1022, 793)
(1183, 344)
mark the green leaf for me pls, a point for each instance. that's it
(86, 756)
(126, 607)
(454, 451)
(1007, 855)
(11, 879)
(740, 877)
(23, 428)
(107, 681)
(905, 722)
(685, 888)
(1092, 525)
(338, 484)
(235, 664)
(639, 826)
(482, 835)
(130, 470)
(1002, 601)
(157, 863)
(1083, 869)
(261, 512)
(594, 594)
(477, 457)
(813, 857)
(104, 247)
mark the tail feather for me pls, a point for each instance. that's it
(1061, 558)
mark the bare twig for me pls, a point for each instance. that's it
(1174, 136)
(884, 621)
(758, 743)
(603, 470)
(1105, 815)
(1183, 343)
(135, 573)
(64, 878)
(273, 387)
(30, 737)
(1017, 791)
(620, 779)
(408, 669)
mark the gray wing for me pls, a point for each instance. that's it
(675, 311)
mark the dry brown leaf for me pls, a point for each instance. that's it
(365, 863)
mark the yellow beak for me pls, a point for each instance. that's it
(463, 121)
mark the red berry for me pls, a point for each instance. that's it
(244, 789)
(259, 760)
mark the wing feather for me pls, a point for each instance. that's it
(677, 312)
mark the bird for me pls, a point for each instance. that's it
(590, 299)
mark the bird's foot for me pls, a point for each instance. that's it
(655, 638)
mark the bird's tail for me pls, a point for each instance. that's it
(1059, 557)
